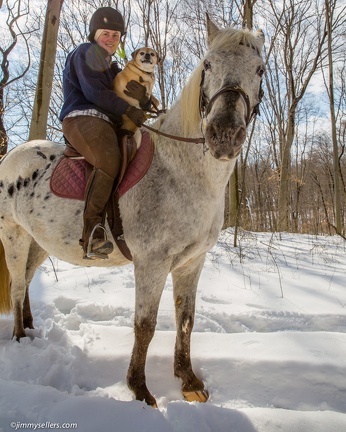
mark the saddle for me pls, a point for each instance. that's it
(70, 176)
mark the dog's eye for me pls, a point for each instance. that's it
(207, 65)
(260, 71)
(152, 54)
(142, 53)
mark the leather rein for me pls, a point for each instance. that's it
(205, 106)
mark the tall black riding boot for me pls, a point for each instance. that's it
(94, 238)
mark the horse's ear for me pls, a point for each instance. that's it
(212, 29)
(260, 36)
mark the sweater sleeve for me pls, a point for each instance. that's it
(95, 80)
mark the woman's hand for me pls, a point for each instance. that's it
(137, 91)
(136, 115)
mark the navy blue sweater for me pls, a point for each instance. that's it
(88, 83)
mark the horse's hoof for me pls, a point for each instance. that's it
(18, 334)
(151, 401)
(148, 399)
(196, 396)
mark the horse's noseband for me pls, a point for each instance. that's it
(205, 105)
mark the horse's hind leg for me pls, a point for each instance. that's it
(185, 282)
(35, 258)
(17, 245)
(20, 266)
(28, 321)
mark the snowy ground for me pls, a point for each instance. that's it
(269, 342)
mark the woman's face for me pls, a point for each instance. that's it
(109, 40)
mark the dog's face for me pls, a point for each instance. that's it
(146, 59)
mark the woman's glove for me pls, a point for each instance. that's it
(136, 115)
(135, 90)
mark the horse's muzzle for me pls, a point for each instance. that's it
(225, 143)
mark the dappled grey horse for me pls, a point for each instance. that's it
(171, 218)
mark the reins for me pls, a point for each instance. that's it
(200, 140)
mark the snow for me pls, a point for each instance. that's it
(269, 341)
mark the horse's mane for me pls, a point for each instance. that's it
(225, 39)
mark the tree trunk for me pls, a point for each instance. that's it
(39, 118)
(233, 189)
(248, 13)
(337, 197)
(285, 176)
(3, 134)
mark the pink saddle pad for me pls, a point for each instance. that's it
(70, 175)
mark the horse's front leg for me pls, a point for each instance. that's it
(150, 281)
(185, 282)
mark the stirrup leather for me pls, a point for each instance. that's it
(103, 249)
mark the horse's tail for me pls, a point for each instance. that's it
(5, 294)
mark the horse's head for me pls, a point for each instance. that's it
(230, 87)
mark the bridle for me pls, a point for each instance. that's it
(205, 106)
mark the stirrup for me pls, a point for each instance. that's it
(104, 251)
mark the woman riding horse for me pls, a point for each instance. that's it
(91, 115)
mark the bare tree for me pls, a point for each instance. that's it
(332, 20)
(245, 8)
(296, 50)
(15, 35)
(157, 29)
(38, 126)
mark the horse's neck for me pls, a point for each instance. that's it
(190, 159)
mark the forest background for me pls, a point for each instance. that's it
(291, 175)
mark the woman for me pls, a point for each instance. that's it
(90, 116)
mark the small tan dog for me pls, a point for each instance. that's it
(141, 69)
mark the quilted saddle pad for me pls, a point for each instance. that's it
(70, 175)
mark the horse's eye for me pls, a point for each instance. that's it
(260, 71)
(207, 65)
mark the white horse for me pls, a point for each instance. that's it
(171, 218)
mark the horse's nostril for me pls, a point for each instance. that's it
(240, 135)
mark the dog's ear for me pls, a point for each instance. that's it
(133, 55)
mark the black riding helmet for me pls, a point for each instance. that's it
(106, 18)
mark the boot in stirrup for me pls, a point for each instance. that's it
(94, 238)
(98, 248)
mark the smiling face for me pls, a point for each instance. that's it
(109, 40)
